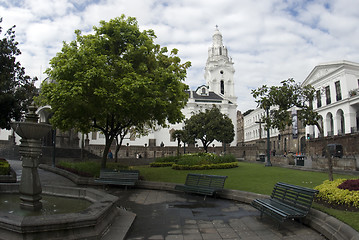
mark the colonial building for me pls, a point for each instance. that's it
(337, 98)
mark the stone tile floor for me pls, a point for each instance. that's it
(171, 215)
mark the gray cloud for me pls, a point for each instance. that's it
(269, 40)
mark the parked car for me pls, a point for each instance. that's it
(335, 150)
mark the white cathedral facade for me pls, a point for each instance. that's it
(218, 90)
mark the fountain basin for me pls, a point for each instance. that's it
(31, 130)
(90, 223)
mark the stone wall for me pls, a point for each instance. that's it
(350, 144)
(349, 164)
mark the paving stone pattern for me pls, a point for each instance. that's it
(170, 215)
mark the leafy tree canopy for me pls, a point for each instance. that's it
(283, 98)
(209, 126)
(16, 88)
(114, 79)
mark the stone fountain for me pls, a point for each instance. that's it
(31, 133)
(89, 223)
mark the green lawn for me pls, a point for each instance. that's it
(257, 178)
(249, 177)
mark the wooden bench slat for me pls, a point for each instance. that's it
(202, 184)
(123, 177)
(287, 201)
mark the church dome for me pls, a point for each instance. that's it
(217, 38)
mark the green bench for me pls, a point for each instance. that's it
(286, 202)
(206, 185)
(122, 177)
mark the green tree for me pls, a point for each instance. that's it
(115, 79)
(209, 126)
(16, 88)
(283, 98)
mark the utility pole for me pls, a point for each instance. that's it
(268, 164)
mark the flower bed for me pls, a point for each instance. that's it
(330, 192)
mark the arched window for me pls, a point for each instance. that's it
(340, 122)
(203, 91)
(222, 87)
(329, 123)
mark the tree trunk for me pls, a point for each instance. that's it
(320, 129)
(106, 150)
(178, 146)
(104, 155)
(118, 146)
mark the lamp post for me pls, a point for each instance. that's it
(268, 163)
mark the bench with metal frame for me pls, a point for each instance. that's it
(121, 178)
(206, 185)
(287, 202)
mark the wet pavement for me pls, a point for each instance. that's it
(170, 215)
(173, 215)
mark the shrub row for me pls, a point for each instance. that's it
(161, 164)
(88, 168)
(329, 192)
(196, 160)
(205, 166)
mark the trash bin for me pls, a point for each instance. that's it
(299, 160)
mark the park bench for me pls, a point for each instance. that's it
(206, 185)
(122, 177)
(286, 202)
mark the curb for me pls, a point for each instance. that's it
(328, 226)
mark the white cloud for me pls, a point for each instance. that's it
(269, 40)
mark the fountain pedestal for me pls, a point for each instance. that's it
(30, 132)
(30, 185)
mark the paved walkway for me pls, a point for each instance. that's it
(170, 215)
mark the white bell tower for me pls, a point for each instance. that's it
(219, 70)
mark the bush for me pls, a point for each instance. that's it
(161, 164)
(329, 192)
(4, 167)
(351, 185)
(205, 166)
(167, 159)
(196, 161)
(87, 169)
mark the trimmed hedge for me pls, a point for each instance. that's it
(161, 164)
(329, 192)
(196, 161)
(88, 168)
(205, 166)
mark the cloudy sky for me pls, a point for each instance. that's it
(268, 40)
